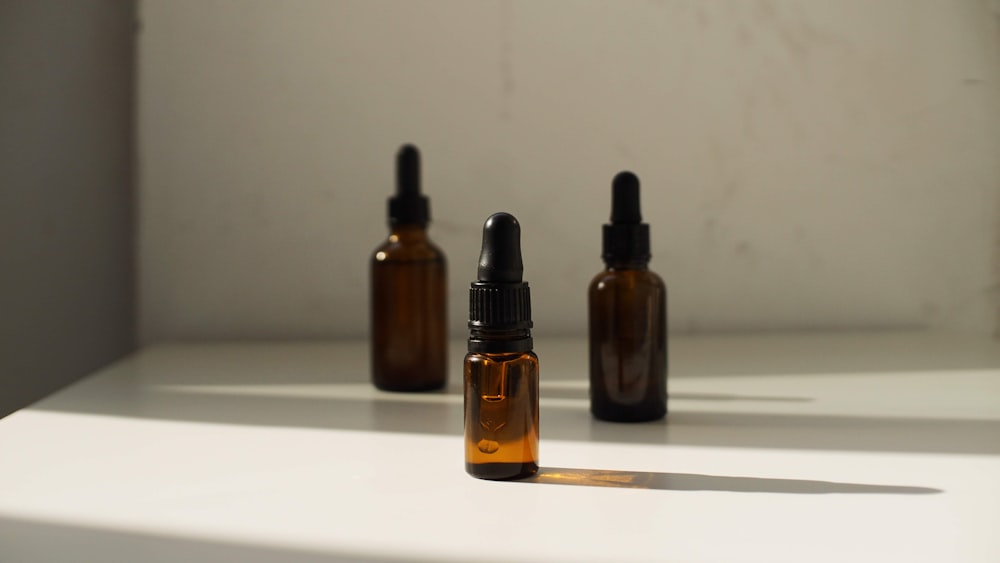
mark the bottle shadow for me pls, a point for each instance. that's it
(699, 482)
(356, 406)
(733, 397)
(583, 393)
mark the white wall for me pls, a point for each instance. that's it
(67, 299)
(805, 164)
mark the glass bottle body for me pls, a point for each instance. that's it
(501, 415)
(409, 317)
(627, 308)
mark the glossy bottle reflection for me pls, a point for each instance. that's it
(628, 345)
(409, 312)
(501, 415)
(627, 307)
(409, 333)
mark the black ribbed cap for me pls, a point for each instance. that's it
(500, 301)
(626, 238)
(408, 206)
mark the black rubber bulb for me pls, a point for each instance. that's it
(408, 171)
(626, 237)
(408, 206)
(500, 259)
(625, 200)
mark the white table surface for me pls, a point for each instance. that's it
(875, 447)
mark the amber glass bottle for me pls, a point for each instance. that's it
(501, 371)
(409, 321)
(628, 318)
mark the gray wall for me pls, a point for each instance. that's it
(67, 303)
(805, 164)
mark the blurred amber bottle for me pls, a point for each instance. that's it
(501, 370)
(627, 306)
(409, 320)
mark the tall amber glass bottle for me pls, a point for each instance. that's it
(409, 320)
(501, 370)
(628, 318)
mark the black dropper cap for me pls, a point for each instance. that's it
(408, 206)
(500, 301)
(626, 238)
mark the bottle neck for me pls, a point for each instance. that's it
(499, 341)
(615, 265)
(408, 233)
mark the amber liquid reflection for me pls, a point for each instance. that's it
(409, 332)
(628, 345)
(501, 415)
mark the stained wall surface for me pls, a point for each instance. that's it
(805, 165)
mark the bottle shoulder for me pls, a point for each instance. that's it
(401, 250)
(611, 279)
(487, 358)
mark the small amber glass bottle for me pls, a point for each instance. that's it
(409, 321)
(628, 318)
(501, 370)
